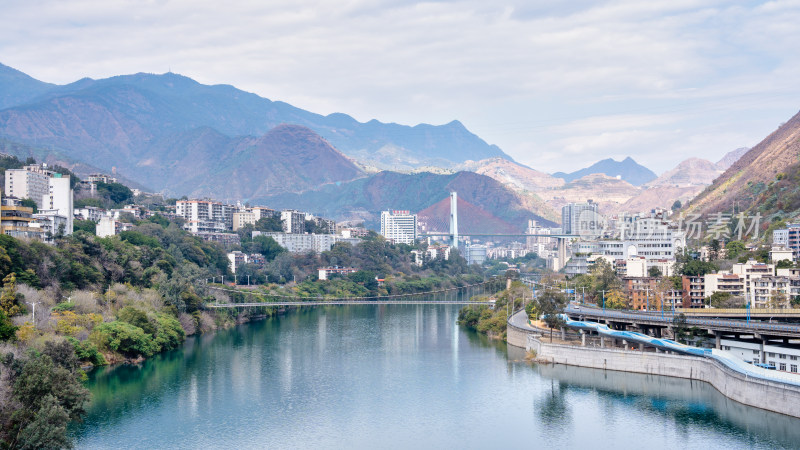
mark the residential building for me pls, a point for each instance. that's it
(579, 216)
(109, 226)
(723, 282)
(301, 243)
(475, 254)
(326, 272)
(749, 272)
(780, 253)
(236, 259)
(30, 182)
(643, 293)
(399, 227)
(354, 232)
(101, 178)
(92, 213)
(771, 291)
(250, 216)
(205, 216)
(694, 291)
(227, 240)
(15, 220)
(51, 222)
(294, 222)
(780, 238)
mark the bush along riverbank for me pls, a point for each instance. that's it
(492, 322)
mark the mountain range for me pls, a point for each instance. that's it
(132, 123)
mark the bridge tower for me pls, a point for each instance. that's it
(454, 219)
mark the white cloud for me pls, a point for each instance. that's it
(541, 79)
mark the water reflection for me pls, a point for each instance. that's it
(397, 377)
(685, 403)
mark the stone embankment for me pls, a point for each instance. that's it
(769, 395)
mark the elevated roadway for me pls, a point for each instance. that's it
(658, 320)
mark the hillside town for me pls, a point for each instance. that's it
(642, 249)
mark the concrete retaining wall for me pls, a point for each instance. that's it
(777, 397)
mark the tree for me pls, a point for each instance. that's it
(654, 272)
(616, 299)
(551, 304)
(697, 268)
(676, 205)
(784, 264)
(734, 248)
(713, 249)
(28, 203)
(88, 226)
(7, 329)
(778, 299)
(46, 393)
(679, 327)
(717, 299)
(9, 300)
(269, 224)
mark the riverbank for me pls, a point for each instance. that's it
(772, 396)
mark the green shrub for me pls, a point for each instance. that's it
(137, 318)
(64, 306)
(124, 338)
(170, 334)
(87, 351)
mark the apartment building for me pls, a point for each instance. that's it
(399, 226)
(204, 216)
(31, 182)
(750, 271)
(294, 222)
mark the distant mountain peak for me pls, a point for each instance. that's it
(627, 169)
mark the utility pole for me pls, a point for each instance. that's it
(33, 318)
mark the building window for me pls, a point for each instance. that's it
(782, 366)
(793, 368)
(793, 358)
(755, 352)
(781, 356)
(771, 355)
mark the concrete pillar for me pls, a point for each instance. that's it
(602, 342)
(624, 344)
(641, 347)
(717, 338)
(763, 353)
(583, 339)
(658, 332)
(563, 334)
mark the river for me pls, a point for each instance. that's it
(400, 376)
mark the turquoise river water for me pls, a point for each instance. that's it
(400, 376)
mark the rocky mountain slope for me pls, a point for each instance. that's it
(744, 181)
(627, 169)
(690, 172)
(513, 175)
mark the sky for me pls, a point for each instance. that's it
(558, 85)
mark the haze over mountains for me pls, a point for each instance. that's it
(169, 133)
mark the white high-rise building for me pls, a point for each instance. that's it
(399, 227)
(294, 222)
(205, 215)
(573, 213)
(60, 198)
